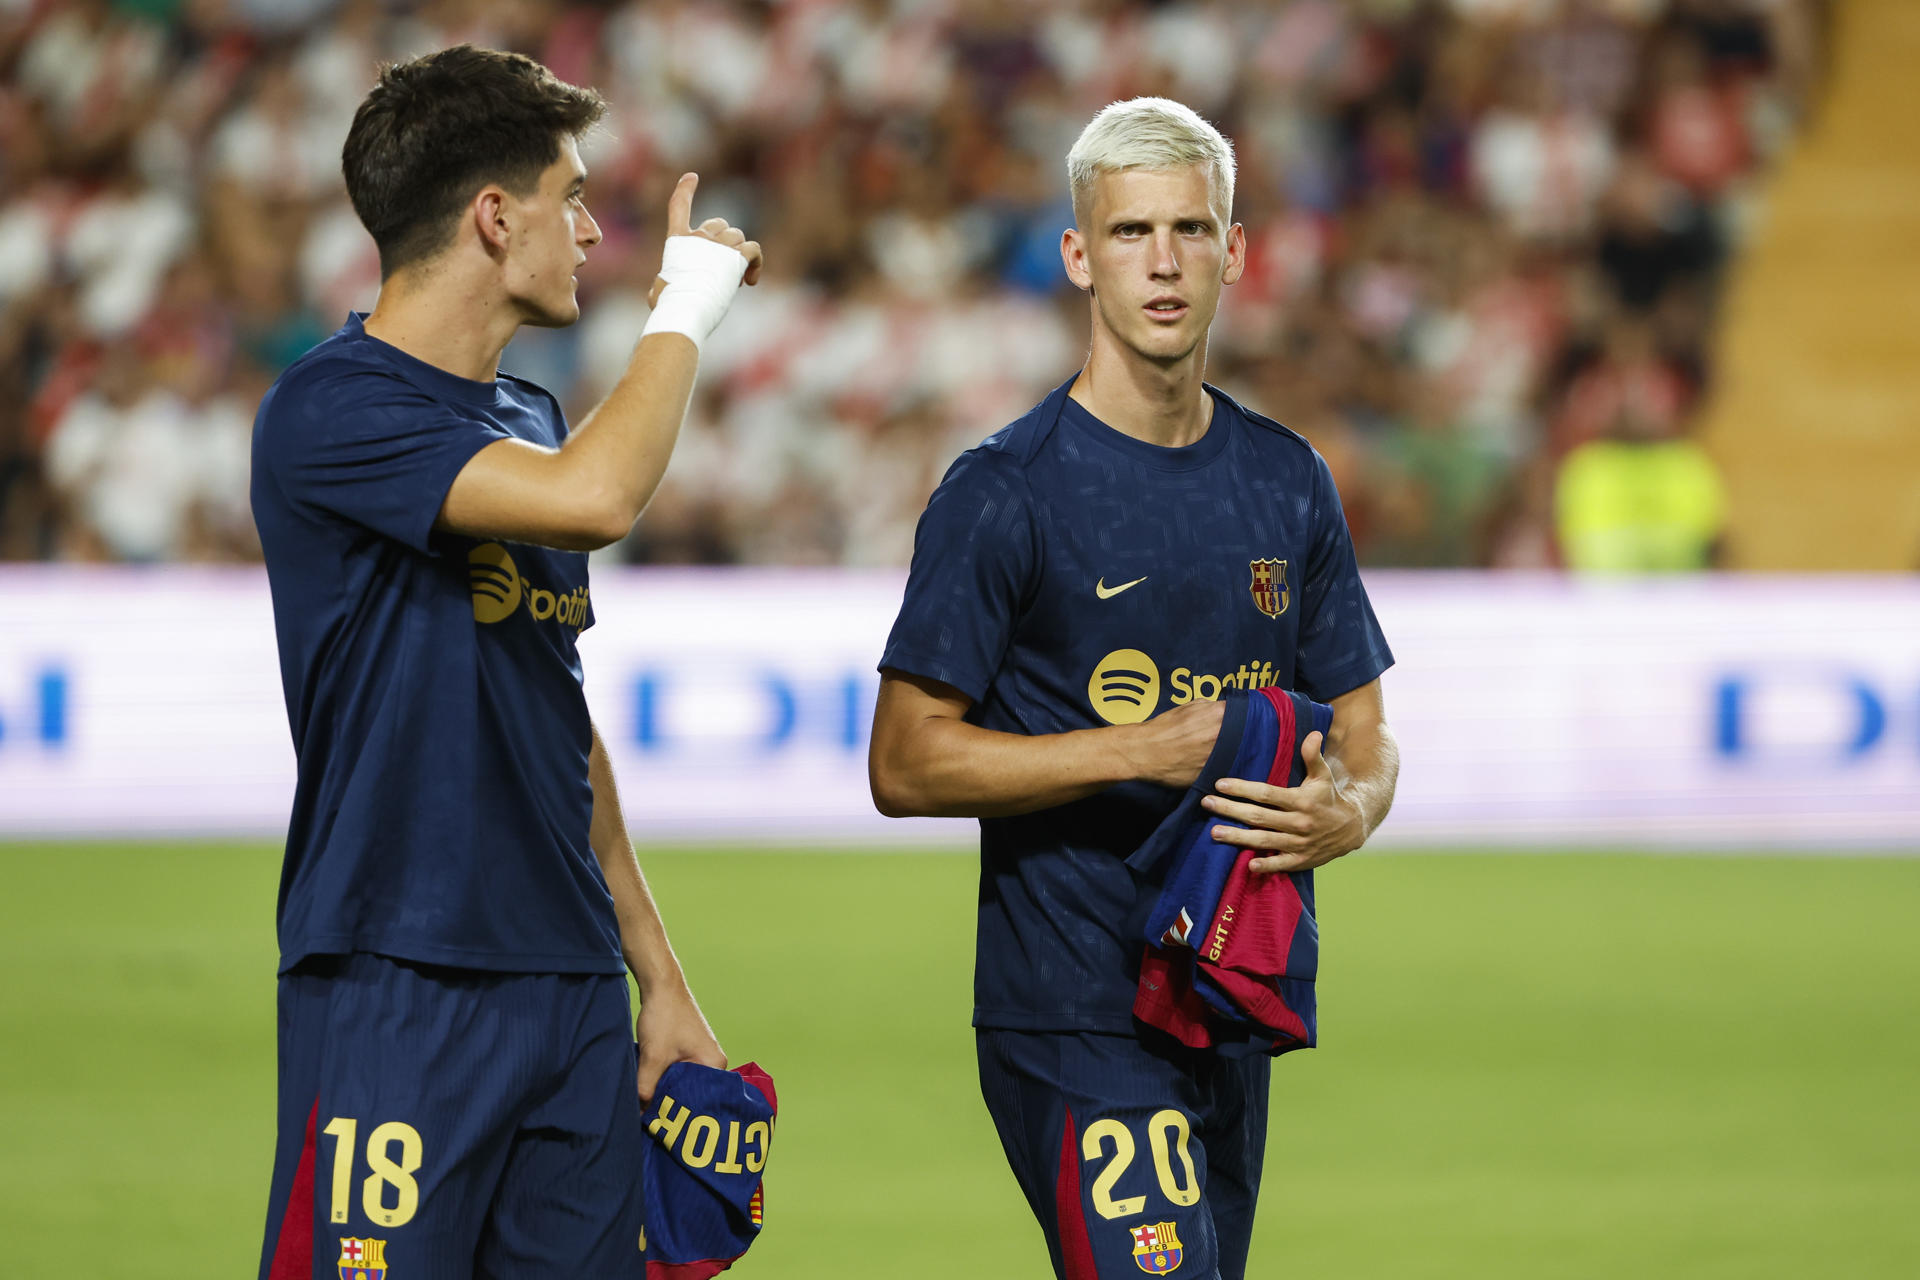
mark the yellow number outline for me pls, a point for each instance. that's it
(343, 1131)
(1162, 1161)
(387, 1172)
(398, 1176)
(1123, 1148)
(1180, 1192)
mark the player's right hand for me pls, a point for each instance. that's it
(1172, 749)
(670, 1028)
(680, 223)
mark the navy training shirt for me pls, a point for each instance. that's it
(432, 680)
(1067, 576)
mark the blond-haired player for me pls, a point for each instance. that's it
(1085, 584)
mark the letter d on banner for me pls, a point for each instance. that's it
(1788, 717)
(49, 715)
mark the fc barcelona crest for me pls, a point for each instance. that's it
(1270, 586)
(1156, 1247)
(362, 1259)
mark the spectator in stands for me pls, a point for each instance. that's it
(1639, 500)
(1655, 235)
(1481, 234)
(1631, 380)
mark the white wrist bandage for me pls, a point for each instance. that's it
(702, 276)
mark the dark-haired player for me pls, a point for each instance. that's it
(460, 903)
(1084, 585)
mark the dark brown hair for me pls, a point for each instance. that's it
(439, 127)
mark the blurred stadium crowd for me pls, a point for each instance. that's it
(1487, 238)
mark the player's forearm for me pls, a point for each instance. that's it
(624, 444)
(947, 768)
(927, 760)
(643, 936)
(1365, 761)
(619, 453)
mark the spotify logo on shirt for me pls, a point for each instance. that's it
(498, 590)
(495, 582)
(1125, 687)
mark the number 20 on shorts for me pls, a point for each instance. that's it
(387, 1172)
(1167, 1135)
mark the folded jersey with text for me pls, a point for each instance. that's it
(711, 1130)
(1231, 955)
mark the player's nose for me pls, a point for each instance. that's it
(588, 230)
(1166, 258)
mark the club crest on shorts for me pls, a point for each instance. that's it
(362, 1259)
(1269, 586)
(1156, 1247)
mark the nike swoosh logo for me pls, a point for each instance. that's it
(1106, 592)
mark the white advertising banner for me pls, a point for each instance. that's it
(1532, 711)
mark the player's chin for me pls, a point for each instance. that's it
(553, 313)
(1169, 343)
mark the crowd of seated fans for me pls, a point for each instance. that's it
(1485, 236)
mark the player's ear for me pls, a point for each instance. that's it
(1073, 255)
(492, 214)
(1236, 254)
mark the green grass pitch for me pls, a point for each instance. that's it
(1575, 1065)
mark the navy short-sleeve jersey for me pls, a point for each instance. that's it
(432, 681)
(1066, 576)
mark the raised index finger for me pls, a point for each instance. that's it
(680, 205)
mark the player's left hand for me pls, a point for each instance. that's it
(1294, 828)
(672, 1029)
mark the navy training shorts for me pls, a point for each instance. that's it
(1135, 1156)
(441, 1123)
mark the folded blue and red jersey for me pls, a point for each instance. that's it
(1231, 955)
(711, 1130)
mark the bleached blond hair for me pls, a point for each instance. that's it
(1148, 133)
